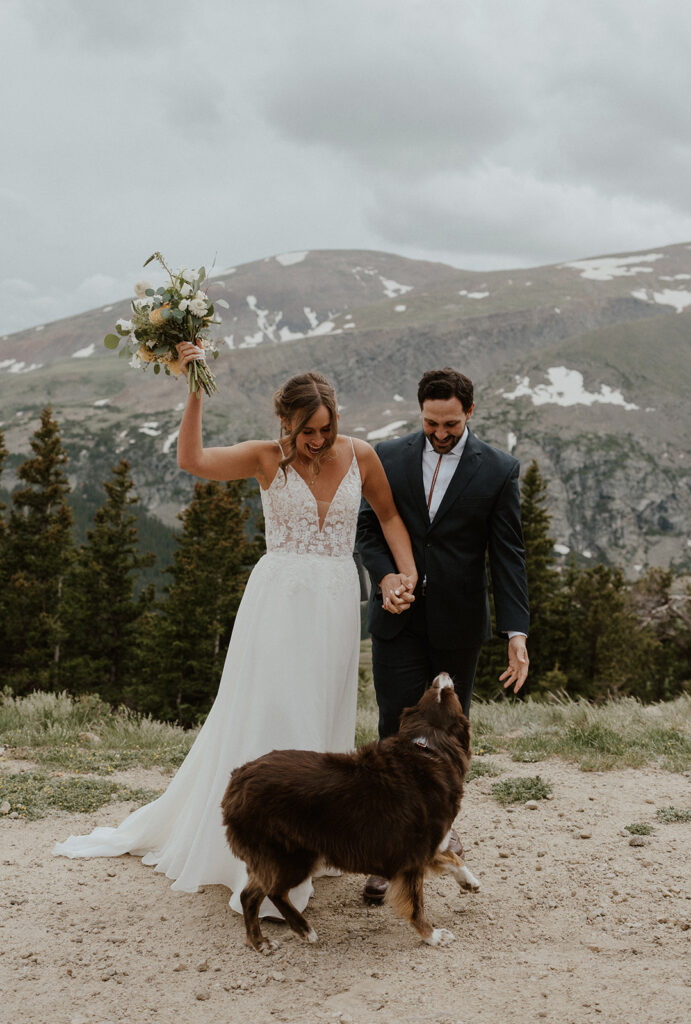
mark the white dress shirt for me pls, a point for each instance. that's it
(447, 468)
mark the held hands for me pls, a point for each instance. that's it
(397, 592)
(517, 671)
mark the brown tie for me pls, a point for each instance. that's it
(434, 480)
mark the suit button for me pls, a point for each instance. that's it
(428, 544)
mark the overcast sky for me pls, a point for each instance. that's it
(486, 134)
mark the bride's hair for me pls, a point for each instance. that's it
(296, 402)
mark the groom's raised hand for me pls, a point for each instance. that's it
(517, 672)
(397, 592)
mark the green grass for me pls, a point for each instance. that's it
(618, 734)
(83, 734)
(640, 828)
(481, 769)
(35, 794)
(670, 814)
(517, 791)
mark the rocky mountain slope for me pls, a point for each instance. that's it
(585, 366)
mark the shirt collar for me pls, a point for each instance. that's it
(455, 452)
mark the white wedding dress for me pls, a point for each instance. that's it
(289, 682)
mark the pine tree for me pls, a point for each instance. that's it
(546, 631)
(105, 622)
(209, 572)
(3, 552)
(38, 552)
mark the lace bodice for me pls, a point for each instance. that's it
(291, 515)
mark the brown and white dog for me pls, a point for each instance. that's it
(385, 809)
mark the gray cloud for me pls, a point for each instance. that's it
(483, 134)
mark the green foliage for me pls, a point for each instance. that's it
(36, 556)
(672, 814)
(640, 828)
(516, 791)
(103, 648)
(481, 769)
(35, 794)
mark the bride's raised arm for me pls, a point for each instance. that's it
(237, 462)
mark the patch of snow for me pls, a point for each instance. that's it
(360, 430)
(398, 398)
(106, 309)
(608, 267)
(346, 326)
(264, 323)
(229, 341)
(149, 429)
(287, 259)
(637, 567)
(18, 366)
(399, 309)
(102, 401)
(678, 299)
(474, 295)
(84, 353)
(675, 277)
(641, 293)
(312, 317)
(386, 412)
(587, 553)
(390, 428)
(42, 327)
(528, 284)
(393, 288)
(557, 310)
(168, 443)
(348, 316)
(179, 406)
(285, 334)
(566, 388)
(511, 439)
(252, 339)
(325, 327)
(561, 549)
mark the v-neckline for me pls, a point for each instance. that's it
(314, 497)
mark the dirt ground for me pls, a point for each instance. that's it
(572, 924)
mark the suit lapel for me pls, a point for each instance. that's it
(414, 474)
(468, 465)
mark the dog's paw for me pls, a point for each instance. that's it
(311, 936)
(268, 946)
(440, 937)
(467, 880)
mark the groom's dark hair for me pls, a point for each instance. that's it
(446, 383)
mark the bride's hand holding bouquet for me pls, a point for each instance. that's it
(179, 313)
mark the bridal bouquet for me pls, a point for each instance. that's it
(161, 319)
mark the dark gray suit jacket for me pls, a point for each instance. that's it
(479, 513)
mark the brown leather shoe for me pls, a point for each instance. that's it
(455, 844)
(375, 889)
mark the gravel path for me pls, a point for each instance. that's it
(573, 924)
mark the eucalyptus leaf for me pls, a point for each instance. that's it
(166, 314)
(111, 341)
(161, 290)
(157, 367)
(202, 274)
(124, 352)
(161, 350)
(223, 303)
(149, 291)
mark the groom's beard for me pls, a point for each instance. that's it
(443, 447)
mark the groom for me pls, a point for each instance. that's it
(459, 500)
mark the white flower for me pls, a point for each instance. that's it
(184, 304)
(145, 302)
(186, 290)
(140, 288)
(198, 307)
(202, 296)
(188, 275)
(124, 325)
(136, 363)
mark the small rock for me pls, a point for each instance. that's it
(14, 814)
(111, 874)
(504, 853)
(203, 966)
(107, 975)
(585, 834)
(662, 919)
(89, 737)
(180, 967)
(636, 841)
(531, 805)
(277, 976)
(5, 807)
(202, 995)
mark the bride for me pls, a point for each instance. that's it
(290, 675)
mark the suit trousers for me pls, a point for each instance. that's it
(404, 666)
